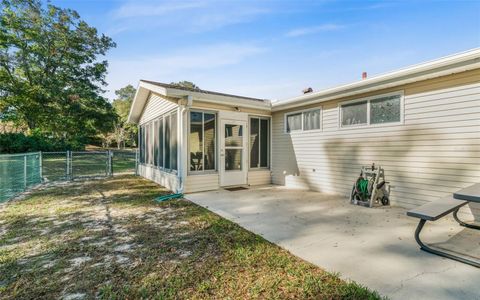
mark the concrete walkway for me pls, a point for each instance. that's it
(374, 247)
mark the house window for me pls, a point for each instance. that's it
(372, 111)
(294, 122)
(354, 113)
(303, 120)
(385, 110)
(202, 141)
(259, 142)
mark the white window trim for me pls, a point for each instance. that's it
(368, 99)
(269, 153)
(301, 112)
(203, 172)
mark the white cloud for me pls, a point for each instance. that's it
(313, 29)
(139, 10)
(186, 16)
(180, 64)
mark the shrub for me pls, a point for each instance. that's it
(20, 143)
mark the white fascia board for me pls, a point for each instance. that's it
(465, 61)
(140, 99)
(219, 99)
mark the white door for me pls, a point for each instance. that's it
(233, 152)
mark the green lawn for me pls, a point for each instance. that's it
(108, 239)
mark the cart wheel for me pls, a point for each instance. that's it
(385, 200)
(352, 195)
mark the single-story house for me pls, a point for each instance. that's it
(420, 123)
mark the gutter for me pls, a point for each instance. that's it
(464, 61)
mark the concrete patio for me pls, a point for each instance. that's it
(374, 247)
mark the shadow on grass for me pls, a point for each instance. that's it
(109, 239)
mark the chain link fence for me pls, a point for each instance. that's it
(18, 172)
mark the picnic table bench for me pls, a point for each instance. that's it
(437, 209)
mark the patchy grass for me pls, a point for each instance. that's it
(108, 239)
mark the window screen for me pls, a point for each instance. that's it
(311, 119)
(202, 141)
(294, 122)
(354, 113)
(167, 136)
(173, 141)
(259, 142)
(385, 110)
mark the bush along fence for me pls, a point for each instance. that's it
(18, 172)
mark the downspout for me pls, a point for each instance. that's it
(185, 105)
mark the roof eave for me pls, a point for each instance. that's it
(449, 65)
(145, 88)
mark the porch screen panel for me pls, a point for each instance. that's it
(141, 144)
(264, 142)
(173, 141)
(150, 143)
(156, 143)
(209, 141)
(161, 142)
(195, 140)
(254, 142)
(147, 139)
(167, 136)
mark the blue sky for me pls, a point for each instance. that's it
(274, 49)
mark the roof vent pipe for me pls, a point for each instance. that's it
(307, 90)
(364, 75)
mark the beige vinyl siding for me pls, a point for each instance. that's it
(435, 152)
(259, 177)
(201, 182)
(156, 106)
(166, 179)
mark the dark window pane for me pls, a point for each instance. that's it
(161, 142)
(355, 113)
(233, 159)
(156, 143)
(254, 142)
(195, 140)
(264, 143)
(140, 143)
(385, 110)
(167, 142)
(294, 122)
(233, 135)
(147, 138)
(150, 143)
(173, 136)
(209, 139)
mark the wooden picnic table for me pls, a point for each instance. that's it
(471, 193)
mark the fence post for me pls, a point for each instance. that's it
(25, 172)
(40, 162)
(68, 166)
(109, 163)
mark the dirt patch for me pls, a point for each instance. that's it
(108, 239)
